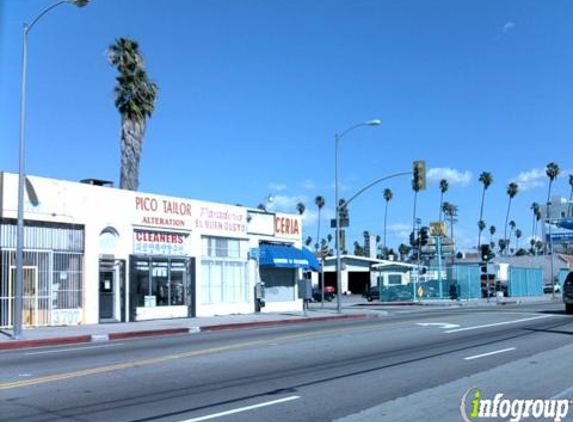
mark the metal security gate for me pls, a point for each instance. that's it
(52, 273)
(37, 271)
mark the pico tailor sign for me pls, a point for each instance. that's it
(160, 243)
(164, 212)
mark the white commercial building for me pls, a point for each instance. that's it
(95, 253)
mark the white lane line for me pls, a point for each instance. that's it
(564, 393)
(516, 321)
(44, 352)
(242, 409)
(483, 355)
(444, 325)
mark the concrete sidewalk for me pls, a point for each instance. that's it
(52, 336)
(445, 303)
(352, 308)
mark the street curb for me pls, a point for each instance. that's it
(89, 338)
(222, 327)
(21, 344)
(147, 333)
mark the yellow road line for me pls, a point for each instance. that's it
(162, 359)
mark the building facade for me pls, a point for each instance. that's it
(98, 254)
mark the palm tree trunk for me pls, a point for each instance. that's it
(452, 235)
(132, 134)
(441, 204)
(533, 231)
(505, 226)
(385, 222)
(549, 244)
(481, 215)
(318, 232)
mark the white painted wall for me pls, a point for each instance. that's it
(97, 207)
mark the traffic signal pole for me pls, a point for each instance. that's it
(439, 251)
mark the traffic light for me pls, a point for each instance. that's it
(486, 253)
(424, 236)
(412, 239)
(419, 175)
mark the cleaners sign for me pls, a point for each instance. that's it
(160, 243)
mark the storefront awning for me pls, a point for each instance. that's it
(313, 264)
(286, 257)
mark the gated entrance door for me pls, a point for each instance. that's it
(107, 282)
(30, 310)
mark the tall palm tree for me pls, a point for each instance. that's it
(492, 230)
(481, 226)
(300, 208)
(502, 246)
(512, 190)
(552, 171)
(486, 180)
(388, 196)
(135, 96)
(532, 244)
(518, 234)
(451, 212)
(512, 227)
(535, 209)
(444, 186)
(319, 201)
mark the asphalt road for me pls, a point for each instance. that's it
(312, 372)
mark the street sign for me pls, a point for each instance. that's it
(344, 222)
(254, 253)
(437, 228)
(560, 237)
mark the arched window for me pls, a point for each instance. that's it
(108, 239)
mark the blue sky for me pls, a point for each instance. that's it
(253, 91)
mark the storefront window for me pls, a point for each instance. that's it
(224, 277)
(177, 283)
(159, 282)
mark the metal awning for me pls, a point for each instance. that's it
(283, 256)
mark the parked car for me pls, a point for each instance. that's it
(317, 294)
(487, 290)
(568, 293)
(330, 289)
(372, 293)
(547, 288)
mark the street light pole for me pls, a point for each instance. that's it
(337, 138)
(338, 261)
(19, 285)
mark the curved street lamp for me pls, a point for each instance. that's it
(19, 287)
(337, 138)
